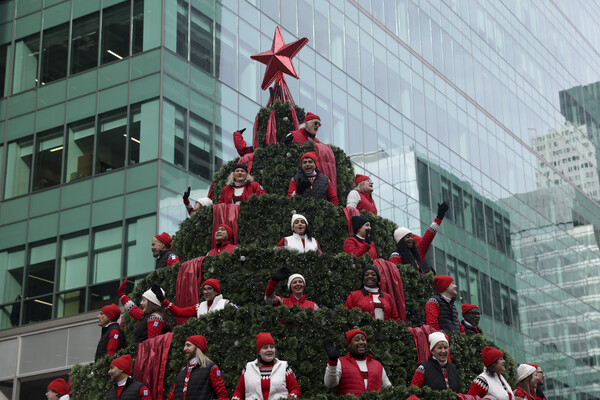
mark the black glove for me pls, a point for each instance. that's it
(442, 209)
(186, 194)
(302, 186)
(332, 352)
(281, 274)
(289, 139)
(158, 292)
(241, 131)
(368, 237)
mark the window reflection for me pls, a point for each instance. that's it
(201, 40)
(80, 149)
(73, 262)
(26, 55)
(3, 69)
(40, 272)
(106, 256)
(48, 159)
(84, 43)
(137, 42)
(182, 28)
(115, 33)
(55, 45)
(18, 167)
(70, 303)
(112, 136)
(200, 146)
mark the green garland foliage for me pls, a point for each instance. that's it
(283, 120)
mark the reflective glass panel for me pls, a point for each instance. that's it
(26, 56)
(55, 45)
(112, 136)
(103, 294)
(18, 167)
(73, 262)
(137, 42)
(70, 303)
(80, 149)
(106, 256)
(40, 272)
(12, 263)
(84, 43)
(48, 159)
(115, 33)
(36, 310)
(139, 257)
(3, 69)
(182, 28)
(201, 40)
(200, 146)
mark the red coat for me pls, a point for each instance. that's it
(240, 144)
(366, 203)
(422, 243)
(227, 246)
(301, 136)
(352, 380)
(250, 188)
(357, 248)
(364, 300)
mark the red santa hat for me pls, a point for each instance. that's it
(229, 231)
(413, 397)
(351, 333)
(198, 341)
(165, 238)
(442, 282)
(214, 283)
(123, 363)
(59, 386)
(359, 178)
(112, 311)
(263, 339)
(468, 307)
(490, 355)
(310, 116)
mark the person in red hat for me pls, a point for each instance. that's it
(370, 298)
(200, 378)
(311, 182)
(151, 316)
(360, 243)
(295, 284)
(213, 300)
(356, 372)
(126, 386)
(58, 389)
(240, 186)
(539, 393)
(223, 240)
(490, 383)
(306, 131)
(162, 251)
(361, 196)
(267, 377)
(471, 315)
(112, 338)
(440, 311)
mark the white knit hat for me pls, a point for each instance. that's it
(294, 276)
(400, 233)
(149, 294)
(205, 202)
(435, 338)
(296, 216)
(524, 371)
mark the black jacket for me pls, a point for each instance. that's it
(198, 386)
(471, 330)
(101, 348)
(448, 319)
(434, 377)
(319, 185)
(130, 392)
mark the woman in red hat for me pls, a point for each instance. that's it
(360, 196)
(490, 383)
(267, 377)
(240, 186)
(370, 298)
(58, 389)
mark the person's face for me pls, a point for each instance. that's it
(297, 287)
(308, 165)
(221, 235)
(367, 186)
(189, 349)
(540, 376)
(239, 175)
(157, 246)
(144, 304)
(115, 374)
(267, 352)
(52, 395)
(362, 232)
(473, 316)
(500, 365)
(358, 344)
(440, 351)
(370, 279)
(313, 126)
(209, 292)
(103, 320)
(452, 290)
(197, 206)
(408, 240)
(299, 226)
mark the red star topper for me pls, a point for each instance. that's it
(279, 58)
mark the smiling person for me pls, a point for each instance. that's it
(360, 243)
(151, 317)
(440, 311)
(356, 372)
(471, 315)
(58, 389)
(267, 377)
(361, 196)
(301, 239)
(527, 381)
(307, 130)
(126, 387)
(311, 182)
(370, 298)
(112, 338)
(213, 300)
(240, 186)
(437, 373)
(223, 240)
(490, 383)
(296, 285)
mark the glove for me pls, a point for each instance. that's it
(302, 186)
(241, 131)
(271, 95)
(442, 209)
(289, 139)
(186, 194)
(158, 292)
(280, 275)
(368, 237)
(122, 289)
(332, 352)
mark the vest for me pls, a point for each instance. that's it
(319, 186)
(101, 348)
(471, 330)
(252, 380)
(495, 389)
(352, 381)
(198, 386)
(448, 319)
(141, 330)
(218, 303)
(366, 203)
(434, 377)
(130, 392)
(294, 242)
(162, 259)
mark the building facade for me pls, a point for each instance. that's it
(110, 109)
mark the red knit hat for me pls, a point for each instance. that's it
(490, 355)
(468, 307)
(262, 339)
(112, 311)
(229, 231)
(214, 283)
(123, 363)
(351, 333)
(310, 154)
(413, 397)
(533, 365)
(59, 386)
(442, 282)
(198, 341)
(310, 116)
(359, 178)
(165, 238)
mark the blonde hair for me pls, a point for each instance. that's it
(203, 360)
(231, 181)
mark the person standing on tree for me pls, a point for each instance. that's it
(301, 239)
(361, 242)
(411, 249)
(361, 196)
(112, 338)
(162, 251)
(490, 383)
(437, 372)
(440, 311)
(370, 298)
(471, 315)
(240, 186)
(296, 284)
(223, 240)
(203, 202)
(311, 182)
(126, 387)
(306, 131)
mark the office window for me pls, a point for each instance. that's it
(106, 254)
(135, 121)
(73, 262)
(201, 40)
(26, 59)
(115, 33)
(200, 141)
(12, 264)
(4, 56)
(70, 303)
(137, 42)
(112, 136)
(139, 257)
(48, 159)
(55, 44)
(80, 150)
(18, 167)
(84, 43)
(39, 283)
(182, 28)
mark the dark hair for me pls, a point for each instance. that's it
(491, 369)
(152, 308)
(308, 232)
(411, 256)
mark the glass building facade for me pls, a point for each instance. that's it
(109, 109)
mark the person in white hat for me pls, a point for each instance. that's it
(438, 373)
(198, 204)
(301, 238)
(296, 284)
(527, 380)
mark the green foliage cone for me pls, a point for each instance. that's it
(330, 277)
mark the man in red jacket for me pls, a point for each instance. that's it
(311, 182)
(223, 240)
(308, 130)
(356, 372)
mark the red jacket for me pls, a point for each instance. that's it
(250, 188)
(364, 300)
(357, 248)
(352, 380)
(422, 243)
(227, 246)
(240, 144)
(301, 136)
(366, 203)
